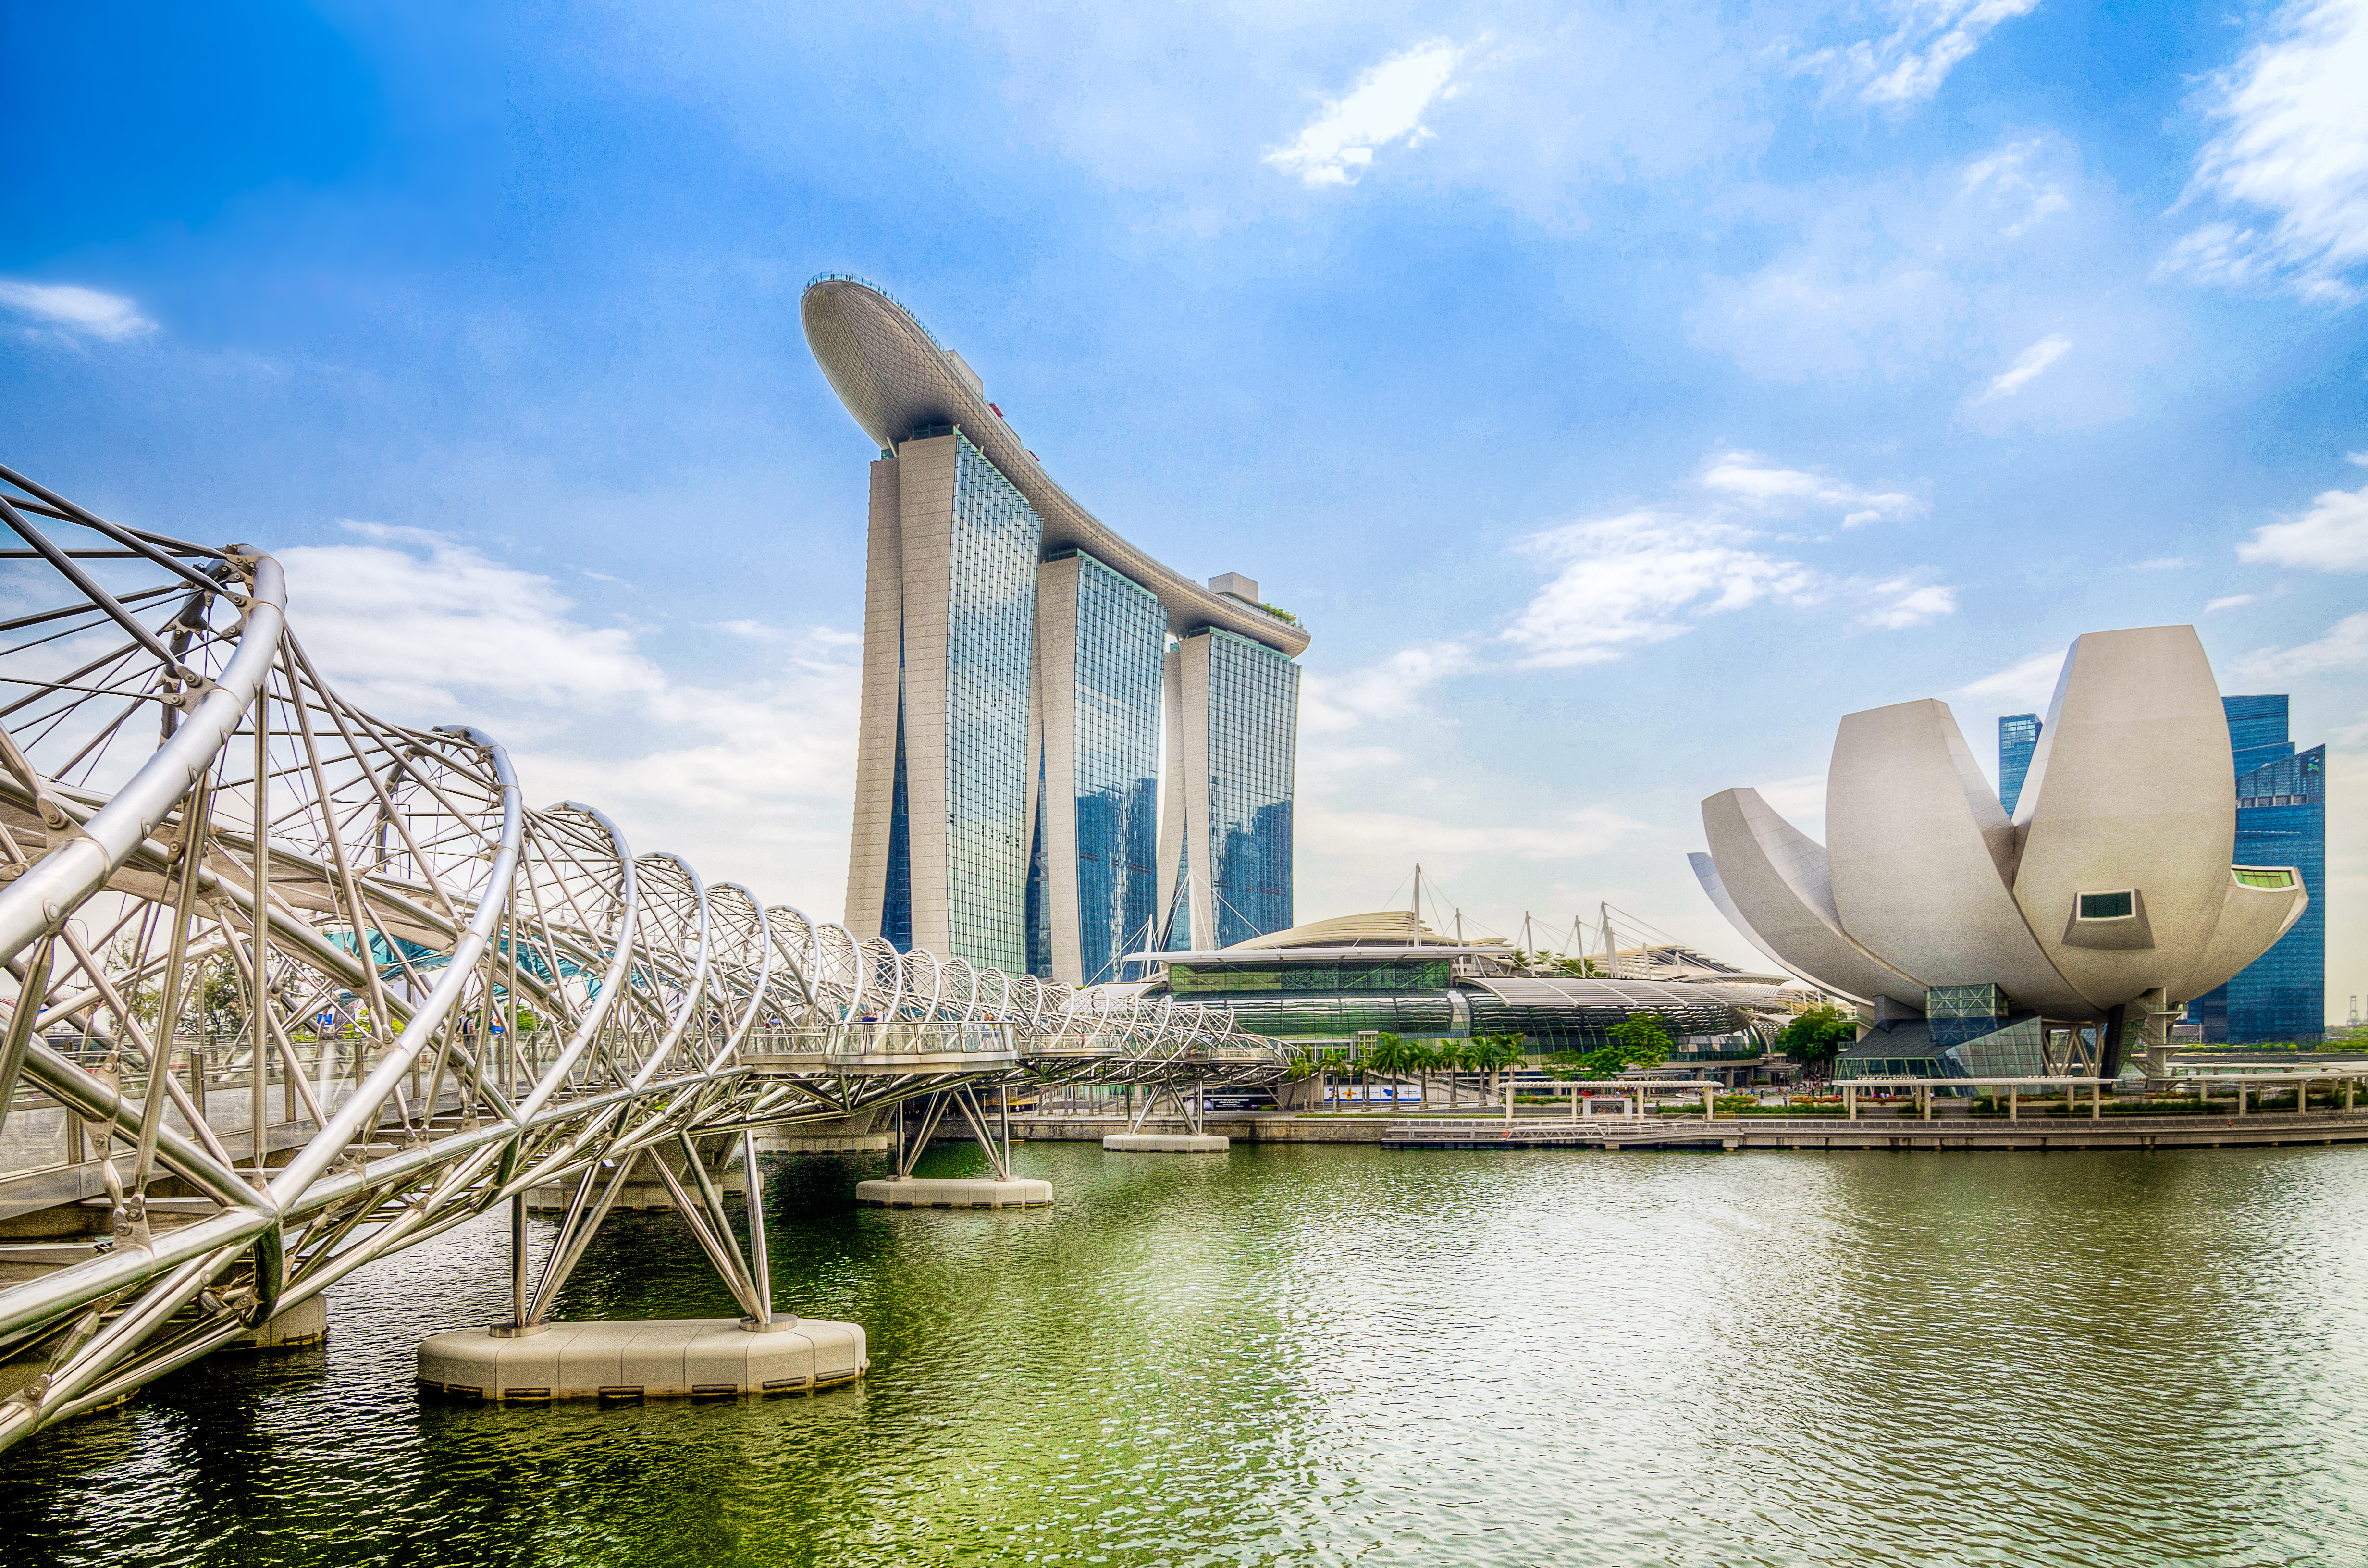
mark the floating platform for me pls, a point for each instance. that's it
(954, 1192)
(826, 1144)
(642, 1189)
(306, 1322)
(660, 1358)
(1166, 1142)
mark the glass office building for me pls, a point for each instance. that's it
(1233, 763)
(2281, 821)
(1324, 995)
(2017, 739)
(990, 610)
(1101, 638)
(1009, 800)
(1253, 763)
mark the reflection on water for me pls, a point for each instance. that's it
(1329, 1354)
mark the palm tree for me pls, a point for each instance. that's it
(1333, 1061)
(1388, 1058)
(1459, 1057)
(1422, 1057)
(1494, 1053)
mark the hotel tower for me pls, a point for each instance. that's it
(1027, 674)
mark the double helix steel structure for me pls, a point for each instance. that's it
(295, 987)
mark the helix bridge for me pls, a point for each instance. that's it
(295, 987)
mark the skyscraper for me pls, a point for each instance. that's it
(2018, 738)
(1099, 637)
(1008, 802)
(1233, 711)
(2281, 821)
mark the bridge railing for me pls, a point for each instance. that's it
(861, 1040)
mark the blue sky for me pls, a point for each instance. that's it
(1620, 393)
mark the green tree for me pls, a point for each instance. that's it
(1642, 1039)
(1459, 1057)
(1392, 1058)
(1331, 1063)
(1492, 1053)
(1819, 1034)
(1353, 1068)
(1422, 1060)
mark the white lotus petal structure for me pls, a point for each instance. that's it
(2108, 899)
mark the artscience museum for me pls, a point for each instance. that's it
(2062, 939)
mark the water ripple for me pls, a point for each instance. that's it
(1320, 1355)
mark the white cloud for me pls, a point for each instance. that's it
(2161, 563)
(2027, 367)
(2290, 160)
(2009, 171)
(2345, 647)
(2357, 460)
(1390, 689)
(2231, 602)
(1385, 106)
(1909, 65)
(75, 310)
(1909, 604)
(1643, 577)
(2025, 685)
(1937, 271)
(1753, 480)
(407, 632)
(1379, 837)
(747, 779)
(2332, 536)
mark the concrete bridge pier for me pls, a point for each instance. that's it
(1196, 1139)
(1001, 1191)
(306, 1322)
(533, 1359)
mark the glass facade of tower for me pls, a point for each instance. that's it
(2281, 821)
(896, 909)
(984, 579)
(1253, 723)
(990, 632)
(2017, 739)
(1121, 638)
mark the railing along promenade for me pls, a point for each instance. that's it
(380, 992)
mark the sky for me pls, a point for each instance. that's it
(1618, 393)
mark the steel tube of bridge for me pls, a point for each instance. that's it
(79, 866)
(760, 1262)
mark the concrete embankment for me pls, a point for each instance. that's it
(1267, 1127)
(2029, 1133)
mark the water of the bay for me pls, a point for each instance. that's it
(1325, 1354)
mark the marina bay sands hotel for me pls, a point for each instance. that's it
(1023, 670)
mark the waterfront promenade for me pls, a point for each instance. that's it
(2028, 1133)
